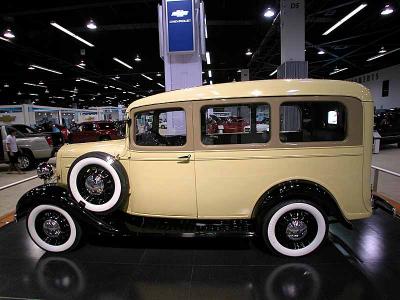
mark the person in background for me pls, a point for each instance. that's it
(12, 151)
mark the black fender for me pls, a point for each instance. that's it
(56, 195)
(305, 189)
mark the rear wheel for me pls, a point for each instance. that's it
(52, 228)
(294, 228)
(25, 161)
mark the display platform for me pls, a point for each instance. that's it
(359, 264)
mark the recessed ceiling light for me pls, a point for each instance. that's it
(269, 13)
(248, 52)
(65, 30)
(347, 17)
(137, 58)
(91, 25)
(387, 10)
(321, 52)
(9, 34)
(122, 63)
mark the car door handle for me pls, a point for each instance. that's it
(185, 158)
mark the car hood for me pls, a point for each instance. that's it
(114, 147)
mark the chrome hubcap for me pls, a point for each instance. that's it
(296, 230)
(94, 184)
(51, 228)
(23, 162)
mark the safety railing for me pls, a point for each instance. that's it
(376, 171)
(17, 182)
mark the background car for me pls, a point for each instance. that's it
(387, 123)
(33, 147)
(57, 138)
(95, 131)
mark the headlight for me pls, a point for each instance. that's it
(45, 171)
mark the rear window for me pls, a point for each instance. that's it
(310, 121)
(104, 126)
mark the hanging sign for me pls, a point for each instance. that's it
(180, 27)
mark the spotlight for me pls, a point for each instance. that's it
(248, 52)
(383, 50)
(137, 58)
(321, 52)
(269, 13)
(158, 74)
(9, 34)
(387, 10)
(91, 25)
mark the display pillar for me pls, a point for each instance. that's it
(293, 64)
(181, 27)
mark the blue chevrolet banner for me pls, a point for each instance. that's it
(180, 26)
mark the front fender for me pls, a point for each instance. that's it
(55, 195)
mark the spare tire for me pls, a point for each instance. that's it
(99, 181)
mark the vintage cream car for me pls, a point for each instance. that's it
(283, 181)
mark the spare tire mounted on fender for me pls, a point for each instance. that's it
(99, 181)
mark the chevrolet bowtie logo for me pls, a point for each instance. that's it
(180, 13)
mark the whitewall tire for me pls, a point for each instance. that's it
(294, 228)
(52, 228)
(99, 181)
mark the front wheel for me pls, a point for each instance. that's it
(52, 228)
(294, 228)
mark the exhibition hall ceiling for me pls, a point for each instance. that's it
(44, 64)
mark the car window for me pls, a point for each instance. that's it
(310, 121)
(161, 128)
(24, 129)
(235, 124)
(88, 127)
(105, 126)
(18, 135)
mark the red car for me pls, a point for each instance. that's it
(234, 125)
(95, 131)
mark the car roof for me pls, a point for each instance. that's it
(260, 88)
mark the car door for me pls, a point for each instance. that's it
(162, 176)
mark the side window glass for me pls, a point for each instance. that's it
(312, 121)
(161, 128)
(235, 124)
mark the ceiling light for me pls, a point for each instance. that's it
(78, 79)
(161, 85)
(46, 69)
(321, 52)
(132, 93)
(91, 25)
(41, 82)
(208, 59)
(269, 13)
(69, 91)
(147, 77)
(33, 94)
(209, 73)
(31, 68)
(383, 54)
(106, 87)
(75, 90)
(239, 71)
(274, 72)
(137, 58)
(211, 82)
(71, 34)
(8, 34)
(248, 52)
(358, 9)
(158, 74)
(19, 93)
(6, 85)
(33, 84)
(118, 88)
(383, 50)
(82, 64)
(117, 77)
(387, 10)
(46, 91)
(122, 63)
(336, 70)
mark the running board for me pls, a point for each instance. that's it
(380, 202)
